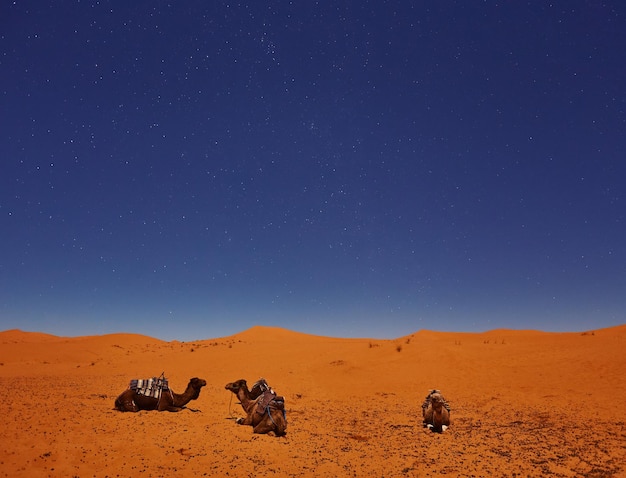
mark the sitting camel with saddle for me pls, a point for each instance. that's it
(134, 399)
(265, 411)
(436, 412)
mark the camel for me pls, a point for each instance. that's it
(436, 412)
(257, 389)
(131, 401)
(265, 412)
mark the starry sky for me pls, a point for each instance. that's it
(186, 170)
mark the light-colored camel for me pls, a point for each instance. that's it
(436, 412)
(132, 401)
(265, 413)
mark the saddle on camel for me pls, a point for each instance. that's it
(155, 394)
(265, 410)
(436, 411)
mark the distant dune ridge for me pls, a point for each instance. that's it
(521, 402)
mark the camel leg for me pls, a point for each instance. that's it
(264, 426)
(247, 420)
(126, 404)
(445, 419)
(274, 423)
(165, 404)
(440, 420)
(428, 416)
(279, 421)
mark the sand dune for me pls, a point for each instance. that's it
(524, 403)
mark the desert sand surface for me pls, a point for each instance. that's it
(523, 403)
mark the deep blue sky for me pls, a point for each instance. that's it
(186, 170)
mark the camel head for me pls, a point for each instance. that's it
(197, 383)
(437, 401)
(236, 386)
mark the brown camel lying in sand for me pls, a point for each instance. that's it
(132, 401)
(265, 412)
(436, 412)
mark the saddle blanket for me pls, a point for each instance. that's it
(150, 387)
(269, 399)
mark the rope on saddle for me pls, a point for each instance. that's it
(268, 410)
(269, 414)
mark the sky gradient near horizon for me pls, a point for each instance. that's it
(355, 169)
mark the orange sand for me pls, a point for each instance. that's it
(523, 403)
